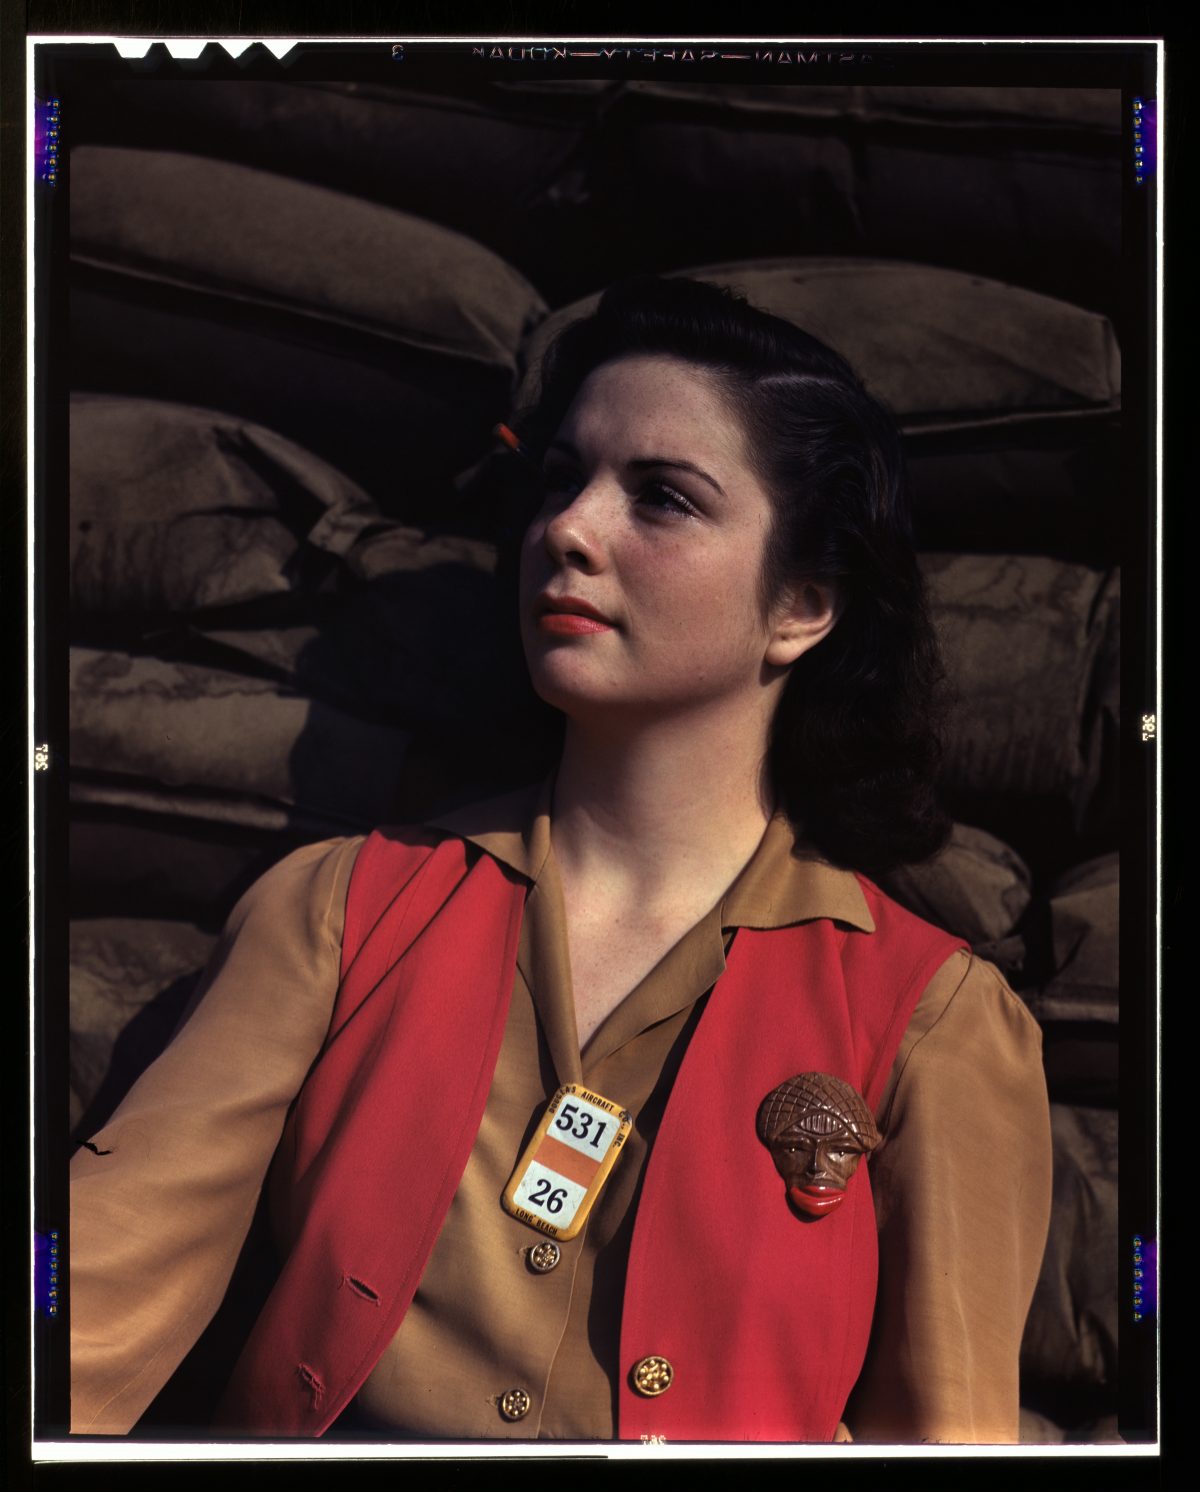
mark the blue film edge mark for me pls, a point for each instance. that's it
(1145, 139)
(45, 1272)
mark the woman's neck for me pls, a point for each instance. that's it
(663, 815)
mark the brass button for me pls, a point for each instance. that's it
(544, 1256)
(653, 1376)
(515, 1404)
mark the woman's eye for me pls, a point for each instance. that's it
(657, 495)
(559, 484)
(556, 479)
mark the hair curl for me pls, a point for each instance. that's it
(854, 750)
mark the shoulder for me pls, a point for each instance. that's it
(314, 880)
(408, 871)
(966, 987)
(910, 948)
(969, 1035)
(499, 827)
(308, 886)
(273, 973)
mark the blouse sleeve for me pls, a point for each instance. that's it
(962, 1196)
(163, 1196)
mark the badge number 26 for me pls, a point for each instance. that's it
(551, 1198)
(570, 1118)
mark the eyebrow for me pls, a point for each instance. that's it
(644, 463)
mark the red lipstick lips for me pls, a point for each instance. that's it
(568, 616)
(816, 1200)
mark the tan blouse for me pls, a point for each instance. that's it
(961, 1180)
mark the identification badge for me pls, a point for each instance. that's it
(567, 1161)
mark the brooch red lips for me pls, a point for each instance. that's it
(817, 1128)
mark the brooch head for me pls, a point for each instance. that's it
(817, 1129)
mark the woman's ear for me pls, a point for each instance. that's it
(805, 615)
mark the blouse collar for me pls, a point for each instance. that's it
(784, 882)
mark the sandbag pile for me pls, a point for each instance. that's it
(575, 181)
(295, 319)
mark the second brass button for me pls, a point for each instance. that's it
(652, 1376)
(515, 1404)
(544, 1256)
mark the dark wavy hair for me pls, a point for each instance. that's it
(855, 742)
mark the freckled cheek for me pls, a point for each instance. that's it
(681, 615)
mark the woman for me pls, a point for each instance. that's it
(718, 593)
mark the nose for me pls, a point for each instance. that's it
(817, 1168)
(573, 536)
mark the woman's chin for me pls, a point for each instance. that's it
(562, 683)
(565, 694)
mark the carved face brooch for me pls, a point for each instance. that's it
(817, 1129)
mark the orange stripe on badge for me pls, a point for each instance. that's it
(566, 1161)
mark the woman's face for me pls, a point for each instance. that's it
(640, 575)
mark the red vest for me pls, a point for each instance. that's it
(763, 1316)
